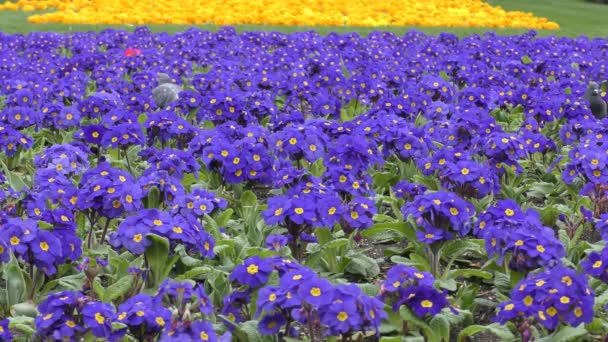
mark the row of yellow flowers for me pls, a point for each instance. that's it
(453, 13)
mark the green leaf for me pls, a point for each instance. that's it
(16, 287)
(158, 258)
(191, 274)
(317, 168)
(409, 316)
(501, 331)
(99, 290)
(68, 283)
(188, 180)
(119, 288)
(363, 265)
(23, 324)
(565, 334)
(323, 235)
(224, 217)
(398, 229)
(24, 309)
(369, 289)
(469, 273)
(448, 284)
(541, 190)
(249, 199)
(391, 339)
(142, 118)
(526, 60)
(414, 260)
(252, 332)
(187, 260)
(153, 199)
(441, 326)
(455, 248)
(336, 243)
(13, 179)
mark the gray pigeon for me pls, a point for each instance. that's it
(596, 103)
(166, 91)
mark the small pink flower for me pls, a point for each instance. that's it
(132, 52)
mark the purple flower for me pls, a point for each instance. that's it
(254, 272)
(276, 242)
(316, 291)
(98, 317)
(5, 333)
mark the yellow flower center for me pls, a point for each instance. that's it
(99, 318)
(426, 304)
(252, 269)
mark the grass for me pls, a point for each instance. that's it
(576, 17)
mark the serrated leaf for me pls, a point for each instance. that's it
(455, 248)
(399, 229)
(441, 326)
(252, 332)
(188, 180)
(68, 283)
(336, 243)
(99, 290)
(408, 315)
(501, 331)
(249, 199)
(448, 284)
(224, 217)
(193, 273)
(23, 324)
(119, 288)
(566, 334)
(415, 260)
(363, 265)
(369, 289)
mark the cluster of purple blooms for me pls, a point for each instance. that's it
(439, 216)
(554, 296)
(46, 249)
(301, 300)
(187, 231)
(405, 285)
(70, 315)
(508, 230)
(264, 109)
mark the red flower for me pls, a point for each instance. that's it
(132, 52)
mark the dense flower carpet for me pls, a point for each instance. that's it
(270, 187)
(461, 13)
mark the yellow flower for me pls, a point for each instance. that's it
(374, 13)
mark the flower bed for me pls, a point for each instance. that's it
(453, 13)
(301, 187)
